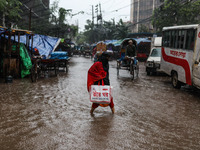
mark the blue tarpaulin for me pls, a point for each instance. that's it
(2, 30)
(109, 41)
(59, 55)
(139, 40)
(136, 40)
(45, 44)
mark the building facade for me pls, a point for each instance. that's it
(141, 13)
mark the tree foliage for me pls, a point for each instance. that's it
(107, 31)
(51, 21)
(10, 10)
(143, 28)
(121, 31)
(176, 12)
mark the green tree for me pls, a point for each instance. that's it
(62, 15)
(80, 39)
(110, 28)
(108, 31)
(143, 28)
(176, 13)
(90, 32)
(121, 30)
(10, 10)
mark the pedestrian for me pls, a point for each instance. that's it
(100, 71)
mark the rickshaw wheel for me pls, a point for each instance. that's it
(137, 70)
(132, 70)
(118, 66)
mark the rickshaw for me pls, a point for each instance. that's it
(87, 51)
(111, 48)
(128, 63)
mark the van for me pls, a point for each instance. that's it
(153, 61)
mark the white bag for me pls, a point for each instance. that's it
(100, 94)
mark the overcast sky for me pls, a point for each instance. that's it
(110, 9)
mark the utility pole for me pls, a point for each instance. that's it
(138, 15)
(100, 16)
(30, 19)
(3, 21)
(93, 23)
(96, 10)
(92, 17)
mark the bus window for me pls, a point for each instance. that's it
(166, 39)
(185, 35)
(182, 38)
(190, 37)
(193, 40)
(173, 39)
(170, 39)
(176, 39)
(179, 39)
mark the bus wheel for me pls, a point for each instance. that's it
(175, 83)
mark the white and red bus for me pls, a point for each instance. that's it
(181, 54)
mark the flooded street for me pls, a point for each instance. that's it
(53, 114)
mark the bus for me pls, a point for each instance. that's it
(181, 54)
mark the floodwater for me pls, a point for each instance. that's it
(53, 114)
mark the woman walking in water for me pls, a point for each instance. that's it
(100, 71)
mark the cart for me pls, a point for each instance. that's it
(41, 66)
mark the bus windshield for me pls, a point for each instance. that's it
(156, 52)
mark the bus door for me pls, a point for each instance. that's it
(196, 74)
(196, 67)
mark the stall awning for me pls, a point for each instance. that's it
(45, 44)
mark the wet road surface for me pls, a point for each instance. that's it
(53, 114)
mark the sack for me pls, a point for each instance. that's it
(100, 94)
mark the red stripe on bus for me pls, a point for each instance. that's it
(180, 62)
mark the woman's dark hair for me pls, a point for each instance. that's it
(104, 59)
(105, 54)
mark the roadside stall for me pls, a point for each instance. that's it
(22, 53)
(15, 60)
(47, 59)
